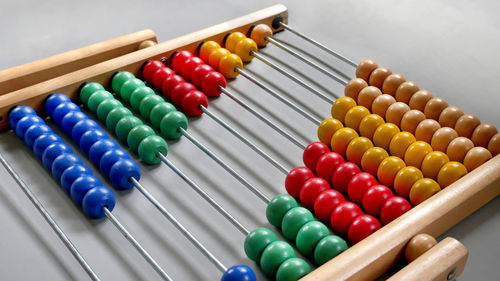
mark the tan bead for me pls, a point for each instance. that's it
(377, 77)
(259, 34)
(482, 134)
(449, 116)
(411, 119)
(420, 99)
(466, 124)
(418, 245)
(442, 138)
(353, 87)
(458, 147)
(426, 129)
(381, 104)
(395, 112)
(494, 145)
(476, 157)
(405, 91)
(146, 44)
(367, 95)
(365, 68)
(391, 83)
(434, 107)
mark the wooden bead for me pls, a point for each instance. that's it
(426, 129)
(420, 99)
(259, 34)
(418, 245)
(146, 44)
(411, 119)
(405, 91)
(365, 68)
(367, 95)
(449, 116)
(494, 145)
(482, 134)
(354, 116)
(381, 104)
(458, 147)
(434, 107)
(442, 138)
(369, 124)
(476, 157)
(432, 163)
(391, 83)
(353, 87)
(378, 76)
(466, 124)
(341, 106)
(395, 112)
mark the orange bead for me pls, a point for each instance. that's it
(206, 49)
(353, 87)
(341, 139)
(494, 145)
(405, 179)
(327, 128)
(341, 106)
(388, 170)
(418, 245)
(381, 104)
(216, 56)
(426, 129)
(400, 143)
(411, 119)
(416, 152)
(378, 76)
(395, 112)
(476, 157)
(245, 49)
(442, 138)
(229, 64)
(434, 107)
(422, 190)
(391, 83)
(357, 148)
(260, 33)
(369, 124)
(466, 124)
(372, 158)
(365, 68)
(420, 99)
(433, 162)
(354, 116)
(367, 95)
(450, 173)
(384, 134)
(458, 147)
(482, 134)
(405, 91)
(449, 116)
(232, 39)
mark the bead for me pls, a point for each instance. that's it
(34, 132)
(434, 107)
(150, 68)
(96, 199)
(381, 104)
(369, 124)
(343, 215)
(292, 269)
(378, 76)
(411, 119)
(353, 87)
(189, 66)
(327, 128)
(327, 164)
(325, 202)
(212, 83)
(367, 95)
(423, 189)
(259, 34)
(89, 138)
(239, 272)
(442, 138)
(61, 110)
(365, 68)
(81, 127)
(216, 56)
(99, 148)
(88, 89)
(375, 197)
(313, 152)
(160, 76)
(311, 189)
(179, 91)
(341, 106)
(416, 152)
(372, 159)
(328, 248)
(52, 152)
(383, 135)
(159, 111)
(343, 174)
(256, 241)
(361, 227)
(179, 59)
(245, 49)
(124, 126)
(354, 116)
(358, 185)
(25, 123)
(54, 101)
(450, 173)
(109, 158)
(63, 162)
(206, 49)
(420, 99)
(482, 134)
(169, 84)
(69, 120)
(392, 83)
(426, 129)
(295, 179)
(193, 102)
(357, 148)
(433, 162)
(97, 98)
(148, 103)
(449, 116)
(139, 95)
(405, 91)
(19, 112)
(119, 79)
(400, 143)
(494, 145)
(73, 172)
(81, 185)
(129, 87)
(418, 245)
(149, 148)
(458, 148)
(395, 112)
(137, 134)
(405, 179)
(199, 73)
(105, 107)
(121, 172)
(309, 235)
(475, 157)
(388, 169)
(341, 139)
(170, 124)
(277, 208)
(229, 65)
(232, 40)
(293, 220)
(115, 116)
(42, 142)
(273, 255)
(393, 208)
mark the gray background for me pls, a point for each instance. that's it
(448, 47)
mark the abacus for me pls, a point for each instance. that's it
(384, 131)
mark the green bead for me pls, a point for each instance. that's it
(124, 126)
(159, 111)
(328, 248)
(105, 107)
(292, 270)
(149, 149)
(114, 116)
(293, 220)
(256, 241)
(278, 207)
(148, 103)
(309, 235)
(129, 87)
(119, 78)
(273, 255)
(96, 98)
(88, 89)
(137, 134)
(170, 124)
(138, 95)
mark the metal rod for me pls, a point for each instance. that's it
(136, 245)
(64, 238)
(278, 96)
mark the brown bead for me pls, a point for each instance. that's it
(466, 124)
(458, 147)
(420, 99)
(494, 145)
(365, 68)
(146, 44)
(476, 157)
(377, 77)
(381, 104)
(434, 107)
(426, 129)
(353, 87)
(395, 112)
(391, 83)
(405, 91)
(482, 134)
(418, 245)
(449, 116)
(411, 119)
(367, 95)
(259, 34)
(442, 138)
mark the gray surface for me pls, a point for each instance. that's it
(448, 47)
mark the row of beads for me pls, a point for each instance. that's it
(85, 189)
(220, 59)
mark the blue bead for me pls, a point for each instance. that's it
(99, 148)
(63, 162)
(81, 127)
(109, 158)
(96, 199)
(53, 101)
(91, 137)
(52, 152)
(81, 185)
(24, 123)
(239, 272)
(71, 174)
(121, 172)
(43, 141)
(69, 120)
(61, 110)
(34, 132)
(19, 112)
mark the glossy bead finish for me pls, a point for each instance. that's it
(353, 87)
(327, 128)
(388, 169)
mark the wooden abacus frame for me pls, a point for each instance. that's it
(366, 260)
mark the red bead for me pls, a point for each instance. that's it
(326, 202)
(169, 84)
(361, 227)
(393, 208)
(189, 66)
(211, 82)
(150, 68)
(358, 185)
(192, 102)
(160, 76)
(313, 152)
(179, 59)
(343, 215)
(343, 174)
(179, 91)
(295, 179)
(311, 189)
(327, 164)
(199, 72)
(375, 197)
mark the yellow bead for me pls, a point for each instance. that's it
(216, 56)
(416, 152)
(369, 124)
(405, 179)
(206, 49)
(423, 189)
(400, 143)
(388, 170)
(384, 134)
(232, 39)
(451, 172)
(259, 34)
(357, 148)
(245, 49)
(372, 158)
(341, 106)
(354, 116)
(433, 162)
(229, 64)
(327, 128)
(341, 139)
